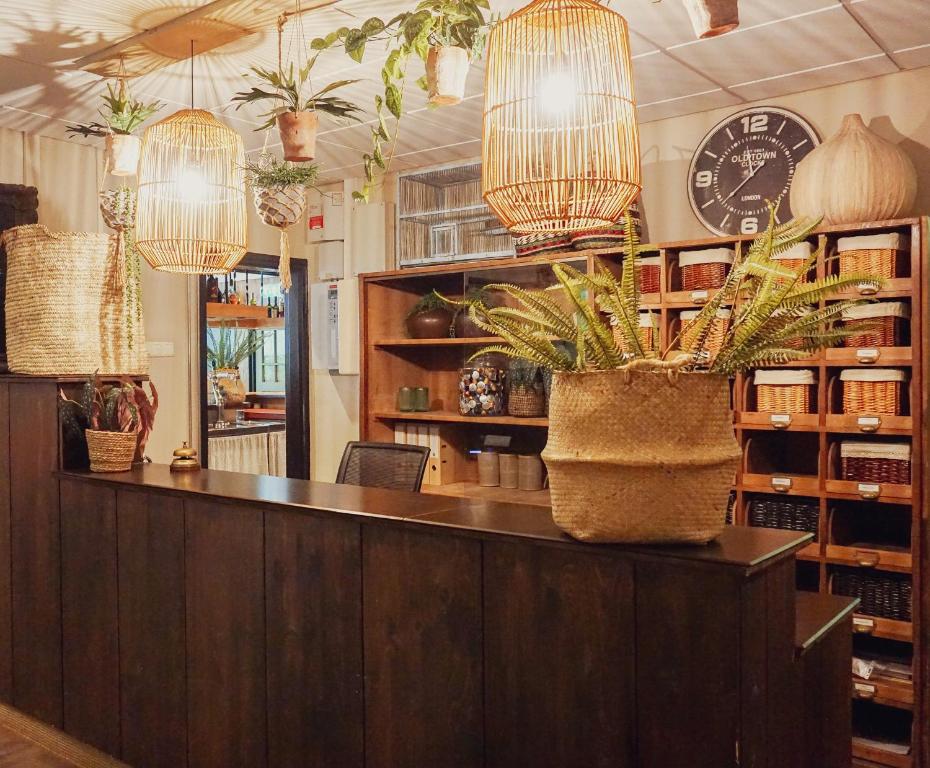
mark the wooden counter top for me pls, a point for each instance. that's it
(744, 547)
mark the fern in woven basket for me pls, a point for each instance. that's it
(775, 318)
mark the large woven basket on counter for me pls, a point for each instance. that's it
(66, 308)
(642, 454)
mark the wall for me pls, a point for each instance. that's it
(891, 105)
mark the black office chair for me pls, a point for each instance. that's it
(383, 465)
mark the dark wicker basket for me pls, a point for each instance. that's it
(788, 514)
(887, 595)
(526, 402)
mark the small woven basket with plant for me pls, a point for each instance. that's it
(527, 396)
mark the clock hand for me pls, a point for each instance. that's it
(752, 172)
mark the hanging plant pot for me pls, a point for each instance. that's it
(446, 71)
(641, 455)
(298, 135)
(854, 176)
(712, 17)
(281, 207)
(121, 153)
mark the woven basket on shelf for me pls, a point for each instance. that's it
(795, 257)
(885, 323)
(715, 335)
(870, 254)
(887, 595)
(650, 274)
(876, 462)
(873, 390)
(526, 402)
(704, 269)
(66, 305)
(647, 332)
(110, 451)
(783, 391)
(641, 454)
(788, 514)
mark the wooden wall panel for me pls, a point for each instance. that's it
(559, 655)
(314, 628)
(35, 551)
(90, 640)
(827, 711)
(6, 589)
(423, 649)
(153, 671)
(225, 575)
(688, 671)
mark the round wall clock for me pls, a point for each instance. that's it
(745, 160)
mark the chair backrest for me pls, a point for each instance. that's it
(383, 465)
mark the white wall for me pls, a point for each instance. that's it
(894, 106)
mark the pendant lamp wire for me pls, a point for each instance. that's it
(192, 74)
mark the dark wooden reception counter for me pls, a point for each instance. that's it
(221, 619)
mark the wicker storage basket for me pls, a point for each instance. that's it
(66, 308)
(873, 390)
(526, 402)
(885, 320)
(876, 462)
(788, 514)
(871, 254)
(887, 595)
(783, 391)
(715, 335)
(647, 330)
(641, 455)
(795, 257)
(704, 269)
(650, 274)
(110, 451)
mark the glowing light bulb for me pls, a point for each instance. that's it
(192, 186)
(557, 92)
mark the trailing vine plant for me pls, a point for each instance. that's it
(118, 207)
(459, 23)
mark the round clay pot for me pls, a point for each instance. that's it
(464, 328)
(298, 135)
(434, 324)
(446, 71)
(232, 386)
(121, 153)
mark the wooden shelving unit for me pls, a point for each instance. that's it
(241, 316)
(797, 462)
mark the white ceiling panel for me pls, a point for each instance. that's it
(647, 112)
(659, 76)
(914, 57)
(897, 24)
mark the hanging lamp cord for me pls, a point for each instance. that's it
(192, 74)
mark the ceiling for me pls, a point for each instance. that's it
(782, 46)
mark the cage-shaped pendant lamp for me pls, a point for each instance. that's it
(560, 146)
(191, 214)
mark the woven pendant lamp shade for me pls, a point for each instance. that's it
(561, 146)
(191, 214)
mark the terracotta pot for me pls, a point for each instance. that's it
(231, 386)
(121, 153)
(434, 324)
(298, 135)
(446, 72)
(712, 17)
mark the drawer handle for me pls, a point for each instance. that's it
(863, 691)
(868, 289)
(863, 626)
(780, 420)
(869, 491)
(867, 559)
(699, 297)
(868, 355)
(869, 423)
(781, 484)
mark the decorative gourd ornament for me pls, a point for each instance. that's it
(854, 176)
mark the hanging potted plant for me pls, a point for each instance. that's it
(116, 420)
(279, 191)
(121, 117)
(641, 445)
(445, 34)
(296, 116)
(227, 348)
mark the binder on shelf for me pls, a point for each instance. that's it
(413, 437)
(400, 432)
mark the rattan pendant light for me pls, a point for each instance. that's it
(191, 214)
(560, 147)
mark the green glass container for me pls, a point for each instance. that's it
(421, 398)
(405, 400)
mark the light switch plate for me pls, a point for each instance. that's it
(160, 348)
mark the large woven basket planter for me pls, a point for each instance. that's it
(640, 456)
(110, 451)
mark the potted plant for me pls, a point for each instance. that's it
(429, 318)
(297, 117)
(116, 419)
(642, 449)
(279, 191)
(462, 326)
(122, 115)
(527, 396)
(226, 349)
(445, 34)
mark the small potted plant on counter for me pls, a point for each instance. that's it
(122, 115)
(227, 348)
(296, 116)
(116, 420)
(429, 318)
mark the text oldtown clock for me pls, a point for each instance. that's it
(745, 160)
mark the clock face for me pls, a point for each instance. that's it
(744, 161)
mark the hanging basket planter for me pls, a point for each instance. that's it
(298, 135)
(121, 153)
(712, 17)
(281, 207)
(446, 72)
